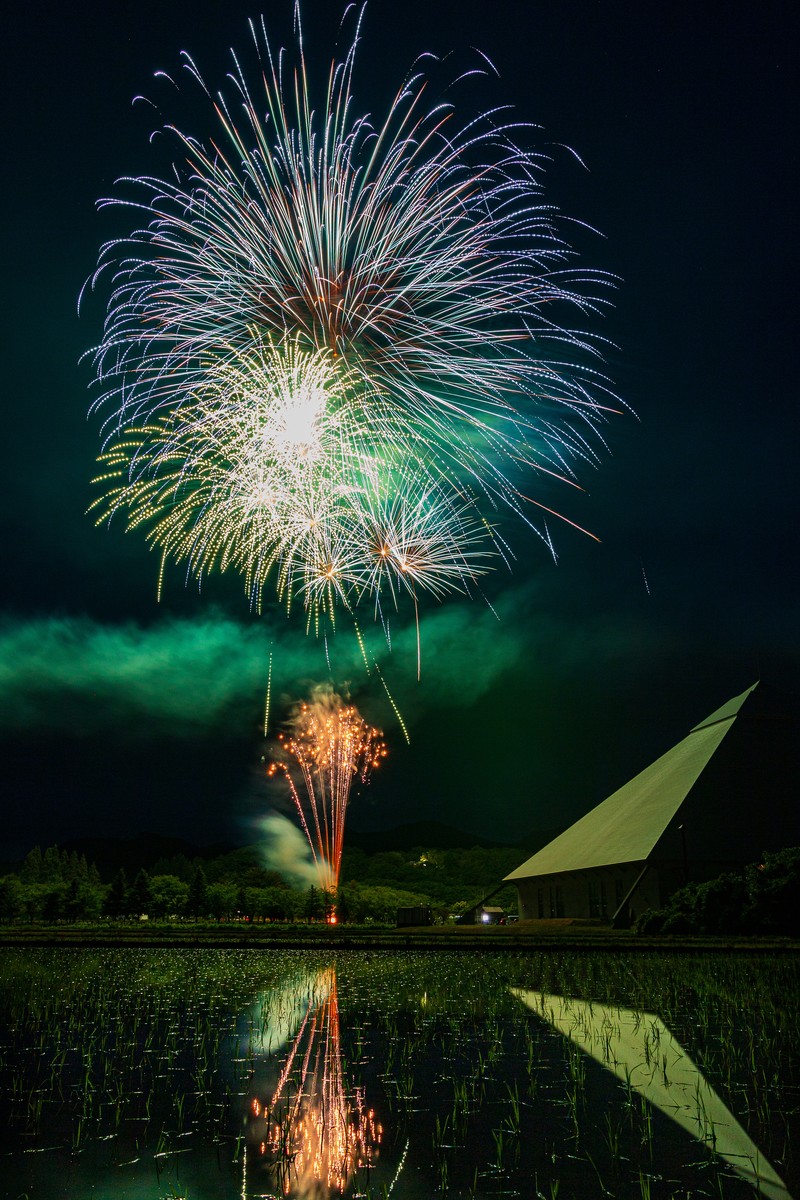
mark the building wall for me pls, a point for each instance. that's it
(588, 894)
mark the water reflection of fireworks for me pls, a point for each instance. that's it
(310, 1134)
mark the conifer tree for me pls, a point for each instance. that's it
(197, 904)
(141, 895)
(117, 899)
(32, 867)
(52, 870)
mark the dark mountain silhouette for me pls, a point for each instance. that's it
(143, 851)
(148, 849)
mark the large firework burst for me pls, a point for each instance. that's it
(331, 352)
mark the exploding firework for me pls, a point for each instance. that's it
(279, 465)
(308, 1131)
(330, 746)
(334, 353)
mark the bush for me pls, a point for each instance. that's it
(12, 901)
(764, 898)
(773, 893)
(679, 922)
(650, 921)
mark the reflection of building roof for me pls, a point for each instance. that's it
(622, 1040)
(626, 827)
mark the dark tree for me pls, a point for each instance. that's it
(116, 904)
(197, 904)
(343, 913)
(315, 904)
(12, 901)
(32, 867)
(52, 867)
(243, 902)
(141, 896)
(53, 909)
(773, 887)
(73, 901)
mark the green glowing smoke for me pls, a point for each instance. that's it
(195, 674)
(208, 675)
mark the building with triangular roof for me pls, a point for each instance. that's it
(724, 794)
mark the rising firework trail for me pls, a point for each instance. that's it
(338, 350)
(328, 748)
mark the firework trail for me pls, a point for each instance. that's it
(330, 746)
(334, 352)
(311, 1134)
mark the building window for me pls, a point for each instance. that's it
(619, 893)
(559, 902)
(603, 899)
(540, 899)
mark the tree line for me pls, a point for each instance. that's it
(57, 886)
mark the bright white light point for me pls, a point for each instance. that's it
(356, 313)
(264, 495)
(295, 428)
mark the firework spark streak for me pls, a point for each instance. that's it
(330, 746)
(334, 352)
(314, 1137)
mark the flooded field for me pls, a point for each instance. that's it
(209, 1074)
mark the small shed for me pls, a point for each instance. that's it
(418, 914)
(482, 914)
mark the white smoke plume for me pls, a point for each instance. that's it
(285, 849)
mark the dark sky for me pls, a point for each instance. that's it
(120, 714)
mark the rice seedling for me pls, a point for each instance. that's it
(159, 1054)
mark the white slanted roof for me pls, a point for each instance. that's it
(625, 827)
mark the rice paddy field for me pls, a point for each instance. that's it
(142, 1074)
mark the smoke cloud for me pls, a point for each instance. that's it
(190, 676)
(78, 675)
(285, 849)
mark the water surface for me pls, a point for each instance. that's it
(211, 1074)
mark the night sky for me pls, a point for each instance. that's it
(121, 714)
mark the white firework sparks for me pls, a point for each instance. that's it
(328, 354)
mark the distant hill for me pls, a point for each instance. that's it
(143, 851)
(433, 835)
(538, 838)
(148, 849)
